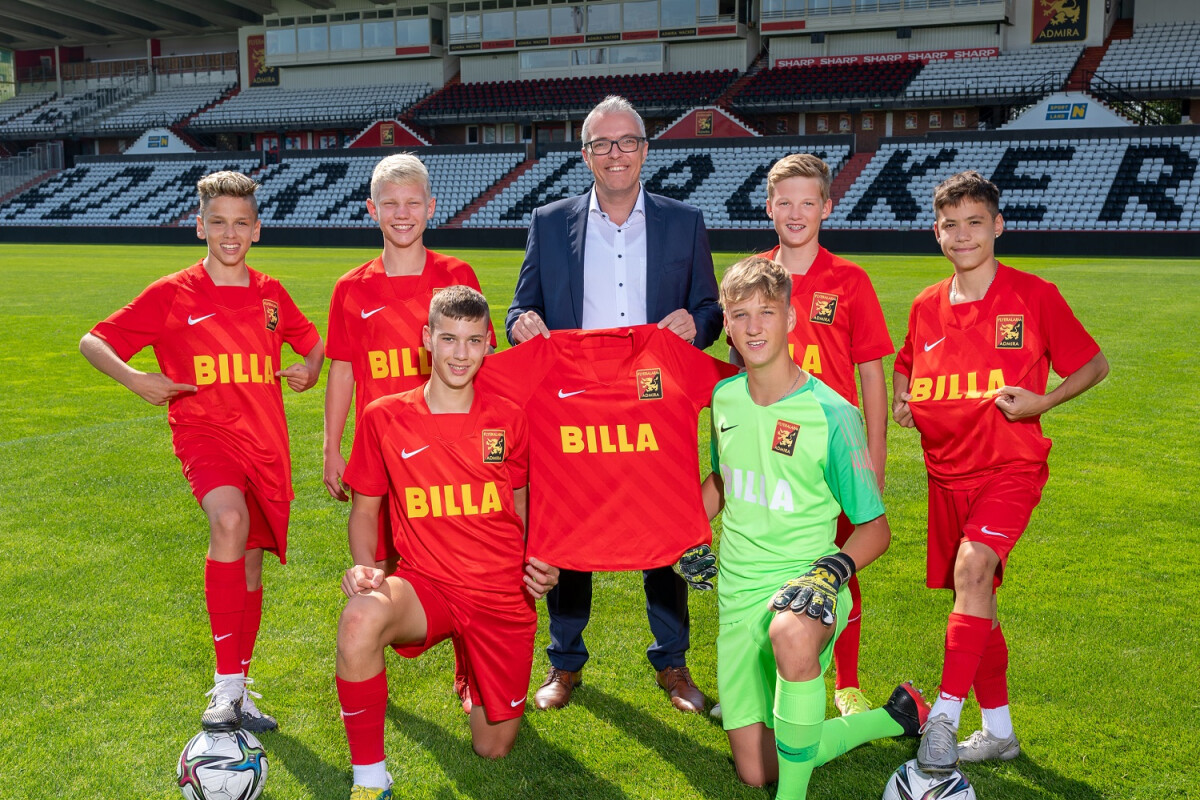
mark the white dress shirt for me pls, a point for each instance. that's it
(614, 267)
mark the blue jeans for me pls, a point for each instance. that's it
(570, 607)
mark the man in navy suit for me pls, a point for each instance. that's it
(613, 257)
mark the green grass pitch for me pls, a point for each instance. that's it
(104, 651)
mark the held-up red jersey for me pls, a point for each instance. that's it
(375, 324)
(839, 322)
(449, 481)
(957, 356)
(227, 341)
(614, 473)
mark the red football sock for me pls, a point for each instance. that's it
(251, 620)
(364, 706)
(225, 597)
(991, 680)
(966, 639)
(845, 649)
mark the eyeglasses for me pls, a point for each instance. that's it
(626, 144)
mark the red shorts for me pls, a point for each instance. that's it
(496, 647)
(994, 513)
(206, 469)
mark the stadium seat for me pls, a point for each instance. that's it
(1157, 57)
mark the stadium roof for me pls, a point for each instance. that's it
(37, 24)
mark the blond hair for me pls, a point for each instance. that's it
(755, 275)
(457, 302)
(969, 185)
(226, 183)
(401, 169)
(799, 165)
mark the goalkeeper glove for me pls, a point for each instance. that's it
(815, 592)
(698, 566)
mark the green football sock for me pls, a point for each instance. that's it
(799, 712)
(841, 734)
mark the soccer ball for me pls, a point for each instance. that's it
(910, 783)
(222, 766)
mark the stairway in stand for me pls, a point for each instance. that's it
(848, 174)
(759, 63)
(1090, 60)
(499, 186)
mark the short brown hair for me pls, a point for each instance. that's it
(799, 165)
(457, 302)
(226, 183)
(755, 275)
(969, 185)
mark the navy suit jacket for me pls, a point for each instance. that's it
(679, 267)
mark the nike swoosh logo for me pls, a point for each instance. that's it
(727, 428)
(352, 713)
(247, 661)
(406, 454)
(515, 703)
(366, 313)
(985, 530)
(222, 638)
(193, 320)
(563, 395)
(929, 346)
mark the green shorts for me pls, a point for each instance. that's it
(746, 671)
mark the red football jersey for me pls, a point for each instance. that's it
(957, 356)
(839, 322)
(614, 472)
(375, 324)
(227, 341)
(449, 481)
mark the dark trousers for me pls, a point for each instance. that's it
(570, 606)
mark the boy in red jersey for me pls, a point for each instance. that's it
(453, 465)
(217, 329)
(971, 377)
(839, 323)
(375, 321)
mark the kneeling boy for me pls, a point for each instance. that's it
(789, 456)
(453, 464)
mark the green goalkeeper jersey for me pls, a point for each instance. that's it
(789, 469)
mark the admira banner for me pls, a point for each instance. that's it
(1059, 20)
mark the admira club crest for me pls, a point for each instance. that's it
(1010, 331)
(824, 306)
(493, 446)
(784, 441)
(649, 384)
(271, 314)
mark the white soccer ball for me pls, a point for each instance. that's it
(910, 783)
(222, 766)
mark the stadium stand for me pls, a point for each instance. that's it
(162, 108)
(269, 108)
(1146, 183)
(330, 191)
(781, 88)
(62, 114)
(116, 193)
(728, 183)
(1164, 56)
(649, 93)
(23, 103)
(318, 192)
(1029, 73)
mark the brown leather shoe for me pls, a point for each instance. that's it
(556, 691)
(678, 682)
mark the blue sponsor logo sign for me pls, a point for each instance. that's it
(1066, 111)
